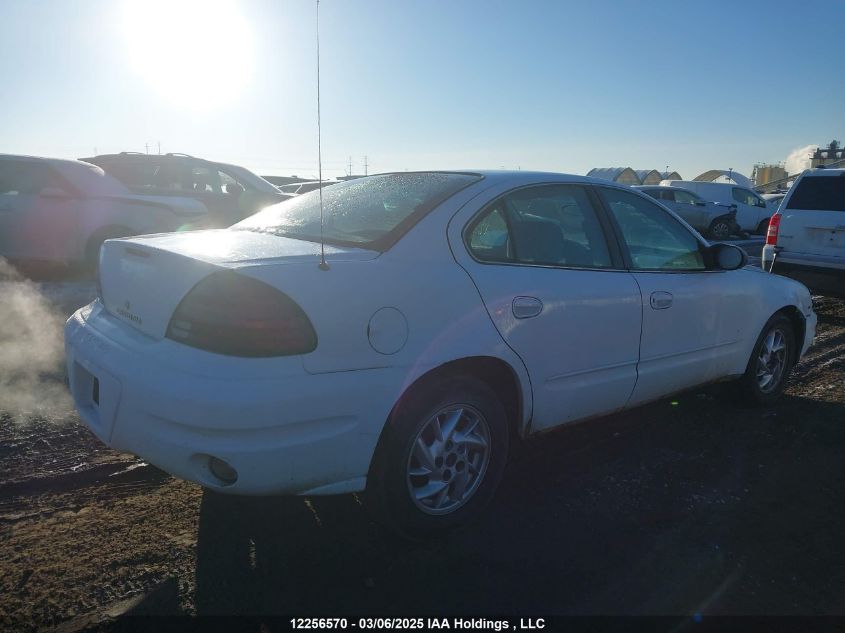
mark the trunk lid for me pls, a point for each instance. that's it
(143, 279)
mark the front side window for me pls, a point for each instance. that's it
(745, 196)
(552, 225)
(204, 180)
(655, 240)
(685, 197)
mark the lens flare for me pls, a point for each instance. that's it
(196, 54)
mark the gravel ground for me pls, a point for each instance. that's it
(690, 505)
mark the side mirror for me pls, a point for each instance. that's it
(728, 256)
(234, 188)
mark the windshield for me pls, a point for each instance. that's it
(246, 177)
(819, 193)
(372, 212)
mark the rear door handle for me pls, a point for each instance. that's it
(661, 300)
(526, 307)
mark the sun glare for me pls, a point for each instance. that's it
(195, 53)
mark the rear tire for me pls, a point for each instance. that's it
(441, 457)
(720, 229)
(771, 361)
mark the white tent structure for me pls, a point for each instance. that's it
(725, 175)
(623, 175)
(649, 176)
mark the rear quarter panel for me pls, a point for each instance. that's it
(418, 277)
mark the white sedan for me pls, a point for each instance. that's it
(454, 312)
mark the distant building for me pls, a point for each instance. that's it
(764, 174)
(825, 156)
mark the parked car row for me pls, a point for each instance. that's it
(714, 220)
(55, 210)
(61, 211)
(752, 211)
(229, 192)
(452, 312)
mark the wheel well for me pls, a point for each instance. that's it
(493, 371)
(799, 326)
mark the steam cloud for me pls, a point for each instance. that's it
(799, 159)
(31, 350)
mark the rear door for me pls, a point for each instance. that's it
(556, 291)
(813, 217)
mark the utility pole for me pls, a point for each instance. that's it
(159, 148)
(365, 165)
(349, 167)
(147, 148)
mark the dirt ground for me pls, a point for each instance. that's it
(690, 505)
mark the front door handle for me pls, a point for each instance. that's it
(526, 307)
(661, 300)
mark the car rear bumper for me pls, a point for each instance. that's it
(282, 430)
(822, 275)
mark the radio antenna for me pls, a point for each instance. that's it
(323, 265)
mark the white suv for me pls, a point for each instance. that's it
(806, 237)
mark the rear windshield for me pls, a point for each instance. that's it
(819, 193)
(372, 212)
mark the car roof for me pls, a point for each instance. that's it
(41, 159)
(517, 177)
(823, 172)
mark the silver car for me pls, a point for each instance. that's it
(60, 211)
(712, 219)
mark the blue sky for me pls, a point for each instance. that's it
(559, 86)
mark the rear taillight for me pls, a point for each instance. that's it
(236, 315)
(772, 233)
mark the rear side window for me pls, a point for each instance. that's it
(553, 225)
(819, 193)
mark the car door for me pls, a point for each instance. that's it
(751, 209)
(691, 209)
(39, 212)
(692, 317)
(557, 293)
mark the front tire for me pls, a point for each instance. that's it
(771, 361)
(441, 458)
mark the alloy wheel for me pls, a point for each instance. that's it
(772, 360)
(448, 459)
